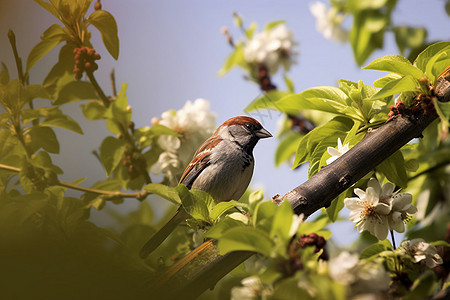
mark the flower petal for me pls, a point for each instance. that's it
(387, 190)
(401, 201)
(373, 183)
(382, 209)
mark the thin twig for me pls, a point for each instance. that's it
(12, 40)
(393, 239)
(429, 170)
(112, 76)
(139, 195)
(98, 89)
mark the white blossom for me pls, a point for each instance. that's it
(421, 252)
(272, 48)
(341, 267)
(370, 209)
(336, 153)
(251, 289)
(195, 123)
(328, 22)
(297, 220)
(401, 209)
(363, 278)
(379, 209)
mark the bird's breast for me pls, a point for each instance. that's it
(226, 179)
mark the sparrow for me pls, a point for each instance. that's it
(222, 167)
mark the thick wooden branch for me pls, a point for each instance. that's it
(204, 266)
(374, 148)
(196, 272)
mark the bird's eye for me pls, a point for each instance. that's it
(249, 126)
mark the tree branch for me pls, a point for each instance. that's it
(112, 194)
(196, 272)
(373, 149)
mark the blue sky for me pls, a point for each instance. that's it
(171, 51)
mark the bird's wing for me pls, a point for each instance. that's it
(200, 162)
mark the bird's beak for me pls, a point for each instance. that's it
(262, 133)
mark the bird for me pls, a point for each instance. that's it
(222, 166)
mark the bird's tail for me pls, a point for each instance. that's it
(163, 233)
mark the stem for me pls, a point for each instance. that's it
(139, 195)
(12, 40)
(393, 239)
(371, 125)
(113, 82)
(429, 170)
(97, 88)
(146, 176)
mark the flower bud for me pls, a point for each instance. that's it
(98, 5)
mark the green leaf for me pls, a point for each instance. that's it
(394, 169)
(98, 203)
(381, 82)
(317, 157)
(51, 38)
(423, 287)
(282, 221)
(443, 111)
(438, 63)
(31, 177)
(250, 30)
(48, 7)
(266, 100)
(326, 135)
(314, 226)
(222, 207)
(373, 251)
(409, 37)
(255, 197)
(440, 243)
(106, 24)
(118, 113)
(196, 203)
(76, 91)
(273, 24)
(424, 56)
(33, 91)
(4, 75)
(289, 84)
(42, 160)
(405, 84)
(337, 205)
(62, 72)
(111, 152)
(325, 98)
(287, 147)
(94, 110)
(236, 58)
(158, 129)
(367, 33)
(358, 5)
(9, 146)
(168, 193)
(43, 137)
(248, 239)
(395, 64)
(263, 215)
(217, 231)
(62, 121)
